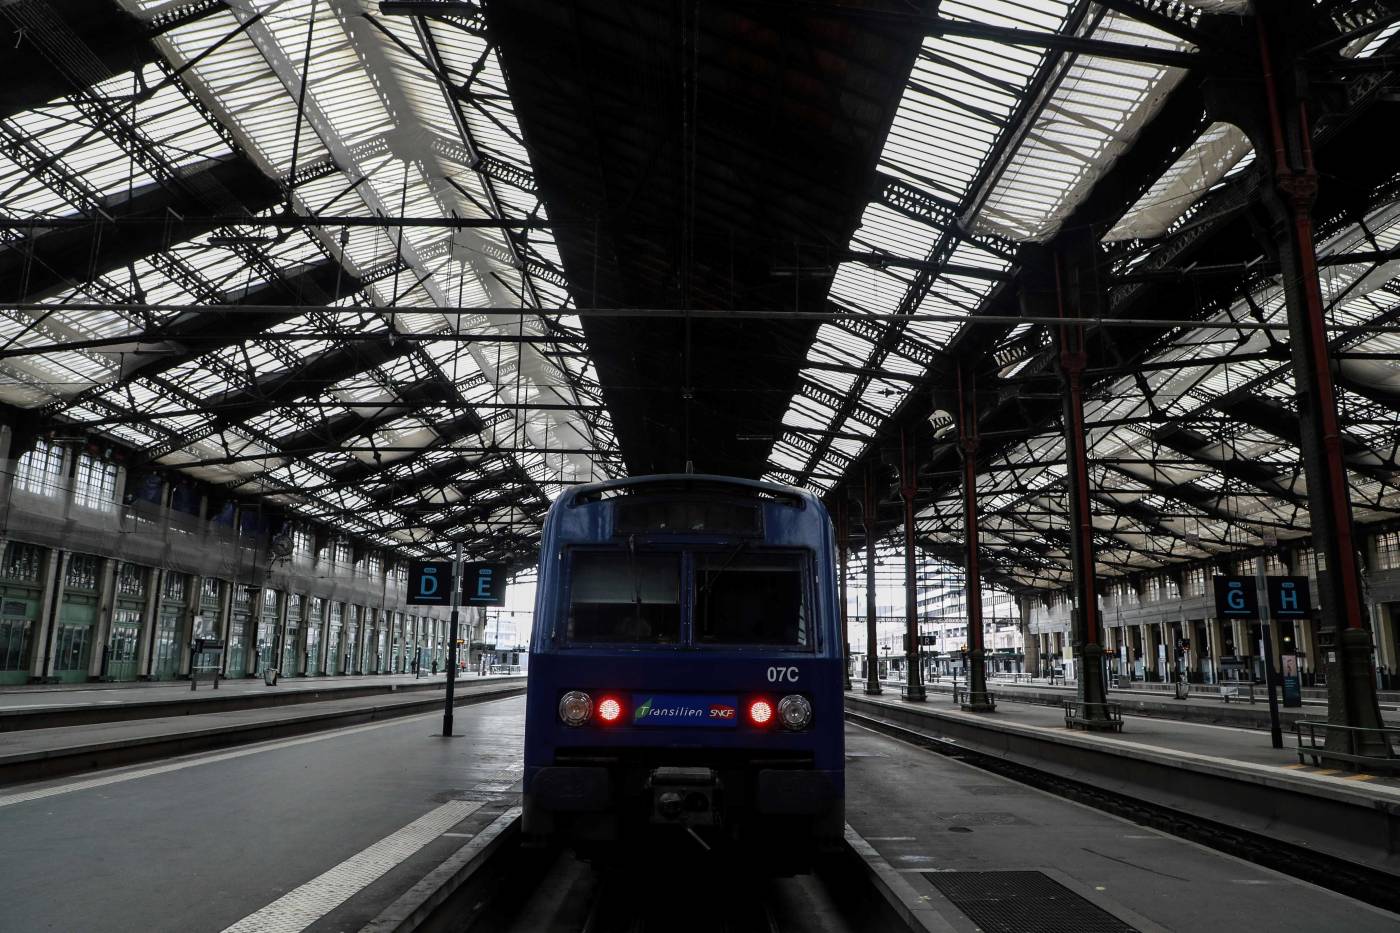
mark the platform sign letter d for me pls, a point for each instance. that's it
(428, 583)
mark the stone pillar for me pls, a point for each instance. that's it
(1215, 636)
(1240, 632)
(1383, 630)
(224, 626)
(279, 633)
(155, 597)
(323, 653)
(251, 627)
(194, 603)
(1307, 643)
(308, 663)
(50, 603)
(106, 607)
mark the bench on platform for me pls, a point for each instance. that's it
(960, 694)
(1312, 738)
(1110, 720)
(1237, 691)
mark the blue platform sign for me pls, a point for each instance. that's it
(430, 583)
(685, 709)
(1289, 597)
(484, 584)
(1236, 598)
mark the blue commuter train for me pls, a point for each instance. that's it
(686, 668)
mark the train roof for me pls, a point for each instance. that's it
(755, 487)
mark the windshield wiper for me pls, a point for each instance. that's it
(729, 559)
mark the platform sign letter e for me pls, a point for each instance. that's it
(484, 584)
(1236, 598)
(429, 583)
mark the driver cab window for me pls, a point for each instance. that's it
(751, 599)
(617, 596)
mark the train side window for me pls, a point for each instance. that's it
(751, 599)
(615, 596)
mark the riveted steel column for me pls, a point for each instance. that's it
(869, 520)
(977, 699)
(908, 486)
(1351, 681)
(1086, 636)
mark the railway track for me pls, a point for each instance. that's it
(1353, 879)
(677, 888)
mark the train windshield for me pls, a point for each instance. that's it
(750, 598)
(622, 596)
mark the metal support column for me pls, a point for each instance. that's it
(1351, 681)
(869, 519)
(977, 699)
(1085, 640)
(452, 641)
(908, 486)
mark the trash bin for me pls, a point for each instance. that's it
(270, 676)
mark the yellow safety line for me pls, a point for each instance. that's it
(1360, 777)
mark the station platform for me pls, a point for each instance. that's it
(53, 696)
(1204, 703)
(1229, 775)
(337, 829)
(984, 848)
(50, 751)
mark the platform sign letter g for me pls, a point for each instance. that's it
(1235, 597)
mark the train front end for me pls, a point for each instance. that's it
(685, 670)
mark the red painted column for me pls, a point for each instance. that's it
(977, 698)
(908, 487)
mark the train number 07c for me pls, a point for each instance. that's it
(780, 675)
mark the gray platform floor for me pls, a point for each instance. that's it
(36, 741)
(202, 842)
(1224, 743)
(61, 696)
(927, 813)
(1314, 702)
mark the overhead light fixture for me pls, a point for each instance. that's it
(942, 423)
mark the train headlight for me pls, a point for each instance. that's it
(575, 707)
(609, 709)
(760, 712)
(795, 712)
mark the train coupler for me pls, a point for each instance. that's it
(685, 796)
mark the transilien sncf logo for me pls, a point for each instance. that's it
(643, 710)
